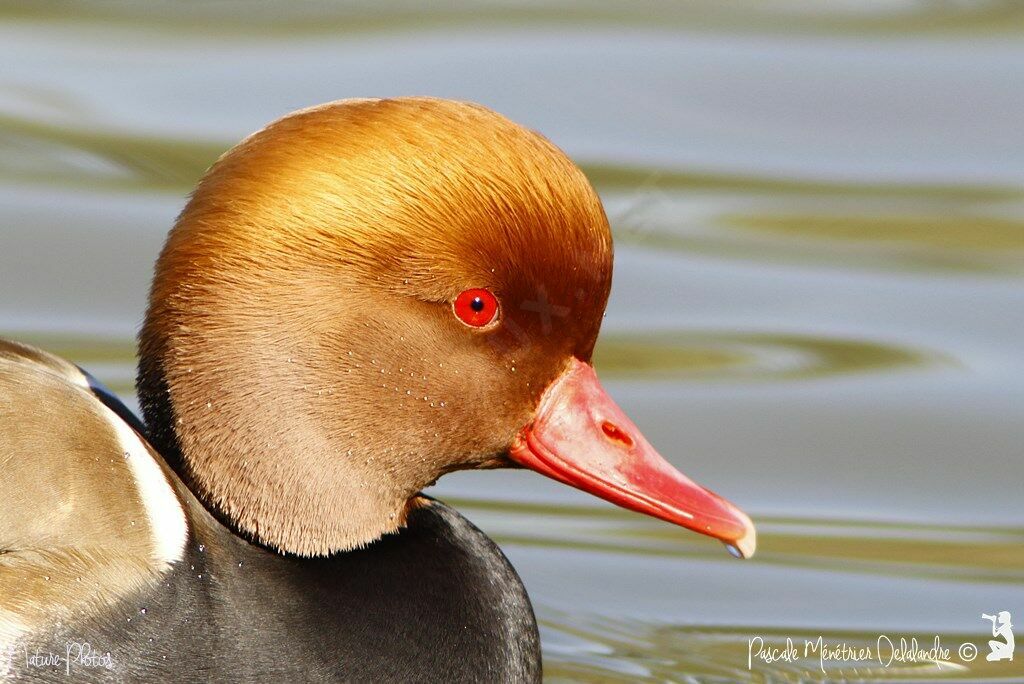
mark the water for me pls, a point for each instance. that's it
(818, 298)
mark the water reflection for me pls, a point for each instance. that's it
(747, 356)
(582, 645)
(954, 553)
(40, 152)
(240, 17)
(818, 216)
(911, 229)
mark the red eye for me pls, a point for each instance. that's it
(476, 307)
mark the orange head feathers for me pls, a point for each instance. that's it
(368, 294)
(300, 352)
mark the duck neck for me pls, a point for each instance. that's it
(273, 478)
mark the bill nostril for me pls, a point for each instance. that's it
(615, 434)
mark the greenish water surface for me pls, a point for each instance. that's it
(818, 298)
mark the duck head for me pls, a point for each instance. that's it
(368, 294)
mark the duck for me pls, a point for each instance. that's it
(357, 299)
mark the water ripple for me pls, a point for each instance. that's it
(954, 553)
(739, 356)
(237, 17)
